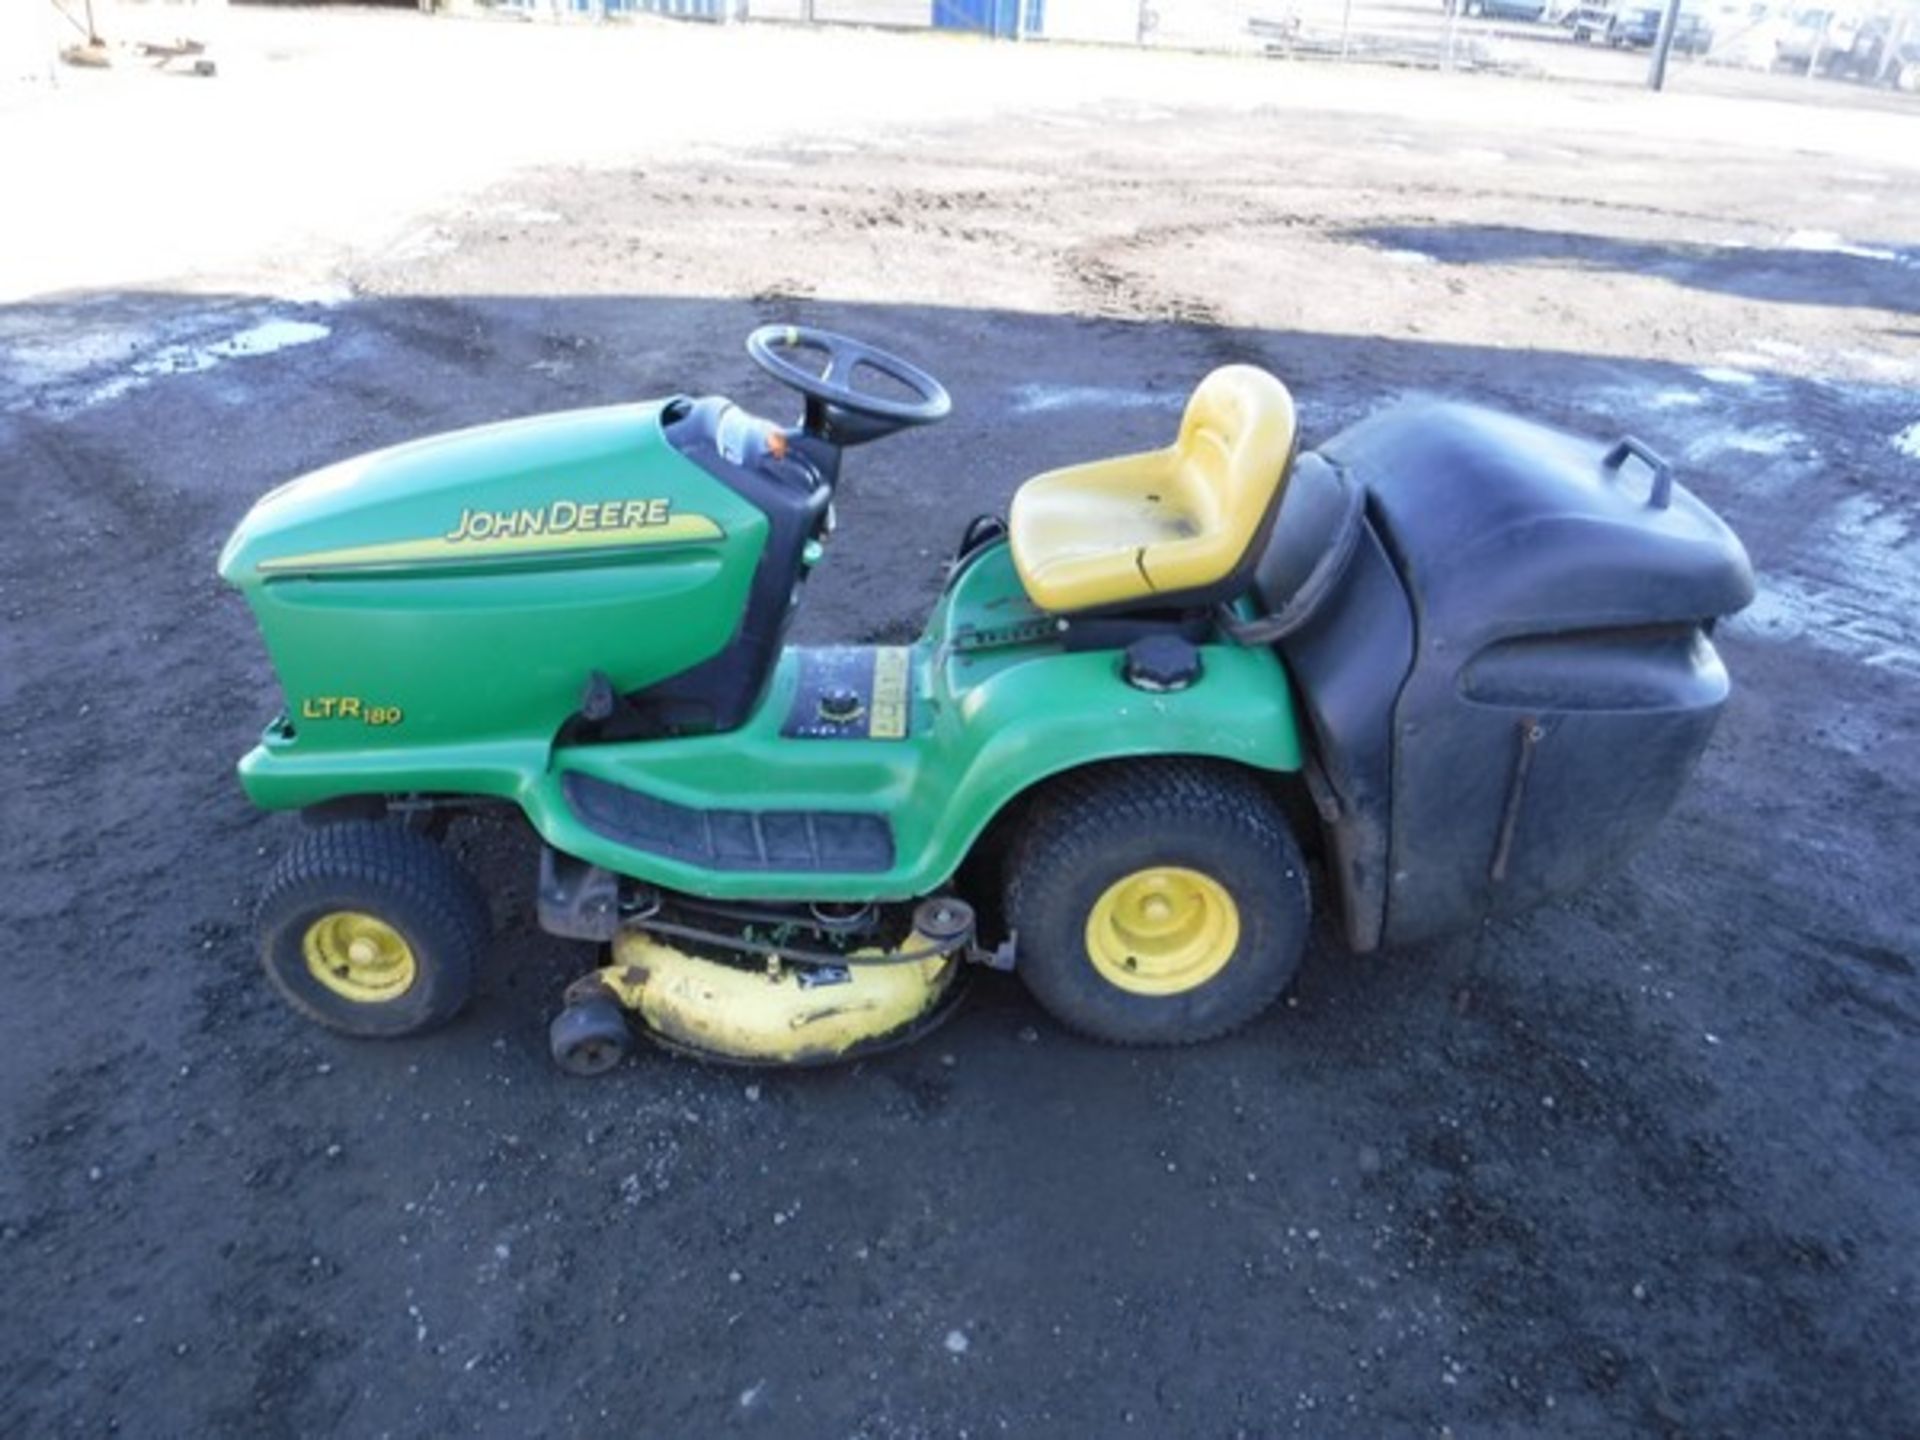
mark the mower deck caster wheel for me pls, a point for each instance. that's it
(590, 1037)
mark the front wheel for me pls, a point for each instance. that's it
(1157, 903)
(371, 929)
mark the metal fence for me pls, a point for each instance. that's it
(1878, 44)
(1579, 39)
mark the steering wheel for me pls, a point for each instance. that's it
(836, 411)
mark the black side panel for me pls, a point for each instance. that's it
(788, 840)
(1348, 663)
(719, 693)
(1538, 766)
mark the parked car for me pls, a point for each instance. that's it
(1844, 48)
(1530, 10)
(1692, 35)
(1638, 26)
(1587, 21)
(1814, 32)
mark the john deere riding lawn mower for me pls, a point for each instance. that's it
(1469, 655)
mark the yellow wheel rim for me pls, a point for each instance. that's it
(1162, 931)
(358, 957)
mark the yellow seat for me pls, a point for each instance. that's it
(1166, 523)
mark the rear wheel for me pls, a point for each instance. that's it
(1158, 903)
(371, 929)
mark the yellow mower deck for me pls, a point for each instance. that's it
(777, 1013)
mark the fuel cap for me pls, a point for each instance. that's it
(840, 704)
(1161, 663)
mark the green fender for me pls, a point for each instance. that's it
(987, 726)
(991, 743)
(987, 723)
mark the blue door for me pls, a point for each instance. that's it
(991, 17)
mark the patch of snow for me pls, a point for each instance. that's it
(1907, 442)
(320, 294)
(1720, 375)
(45, 360)
(1828, 243)
(1766, 442)
(1044, 399)
(1675, 399)
(1772, 440)
(1854, 591)
(134, 360)
(262, 339)
(423, 244)
(1879, 366)
(528, 214)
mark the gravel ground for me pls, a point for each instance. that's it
(1644, 1163)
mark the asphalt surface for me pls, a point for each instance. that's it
(1642, 1163)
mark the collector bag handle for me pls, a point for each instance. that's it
(1661, 494)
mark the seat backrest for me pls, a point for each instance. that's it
(1235, 445)
(1237, 436)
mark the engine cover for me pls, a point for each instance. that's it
(465, 588)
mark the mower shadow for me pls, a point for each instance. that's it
(1869, 277)
(1149, 1220)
